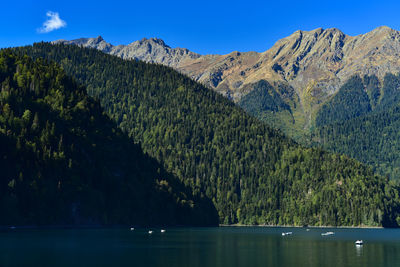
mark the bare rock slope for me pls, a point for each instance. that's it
(150, 50)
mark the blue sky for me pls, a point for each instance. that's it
(202, 26)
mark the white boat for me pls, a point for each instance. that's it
(132, 228)
(287, 233)
(162, 231)
(359, 243)
(150, 232)
(327, 233)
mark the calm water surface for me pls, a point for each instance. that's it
(191, 247)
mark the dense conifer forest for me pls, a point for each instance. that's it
(252, 173)
(350, 102)
(63, 161)
(362, 121)
(277, 105)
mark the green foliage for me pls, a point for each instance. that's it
(63, 161)
(360, 121)
(372, 85)
(390, 96)
(277, 105)
(263, 98)
(350, 101)
(252, 173)
(372, 138)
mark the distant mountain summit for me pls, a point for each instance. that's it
(152, 50)
(97, 43)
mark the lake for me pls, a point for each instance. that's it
(191, 247)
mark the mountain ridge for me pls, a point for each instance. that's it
(152, 50)
(314, 63)
(287, 60)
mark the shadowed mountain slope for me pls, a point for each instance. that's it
(64, 162)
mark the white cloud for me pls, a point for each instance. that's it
(52, 23)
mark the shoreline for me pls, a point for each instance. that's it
(19, 227)
(309, 226)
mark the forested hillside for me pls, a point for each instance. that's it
(350, 102)
(363, 121)
(360, 120)
(373, 139)
(63, 161)
(252, 173)
(278, 105)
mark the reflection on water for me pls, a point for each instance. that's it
(359, 250)
(179, 247)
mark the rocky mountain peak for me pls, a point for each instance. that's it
(158, 41)
(97, 43)
(152, 50)
(152, 41)
(380, 29)
(379, 34)
(98, 39)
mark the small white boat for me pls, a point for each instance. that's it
(150, 232)
(327, 233)
(307, 230)
(132, 228)
(287, 233)
(359, 243)
(162, 231)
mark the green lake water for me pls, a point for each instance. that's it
(191, 247)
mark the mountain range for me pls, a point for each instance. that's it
(302, 83)
(314, 63)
